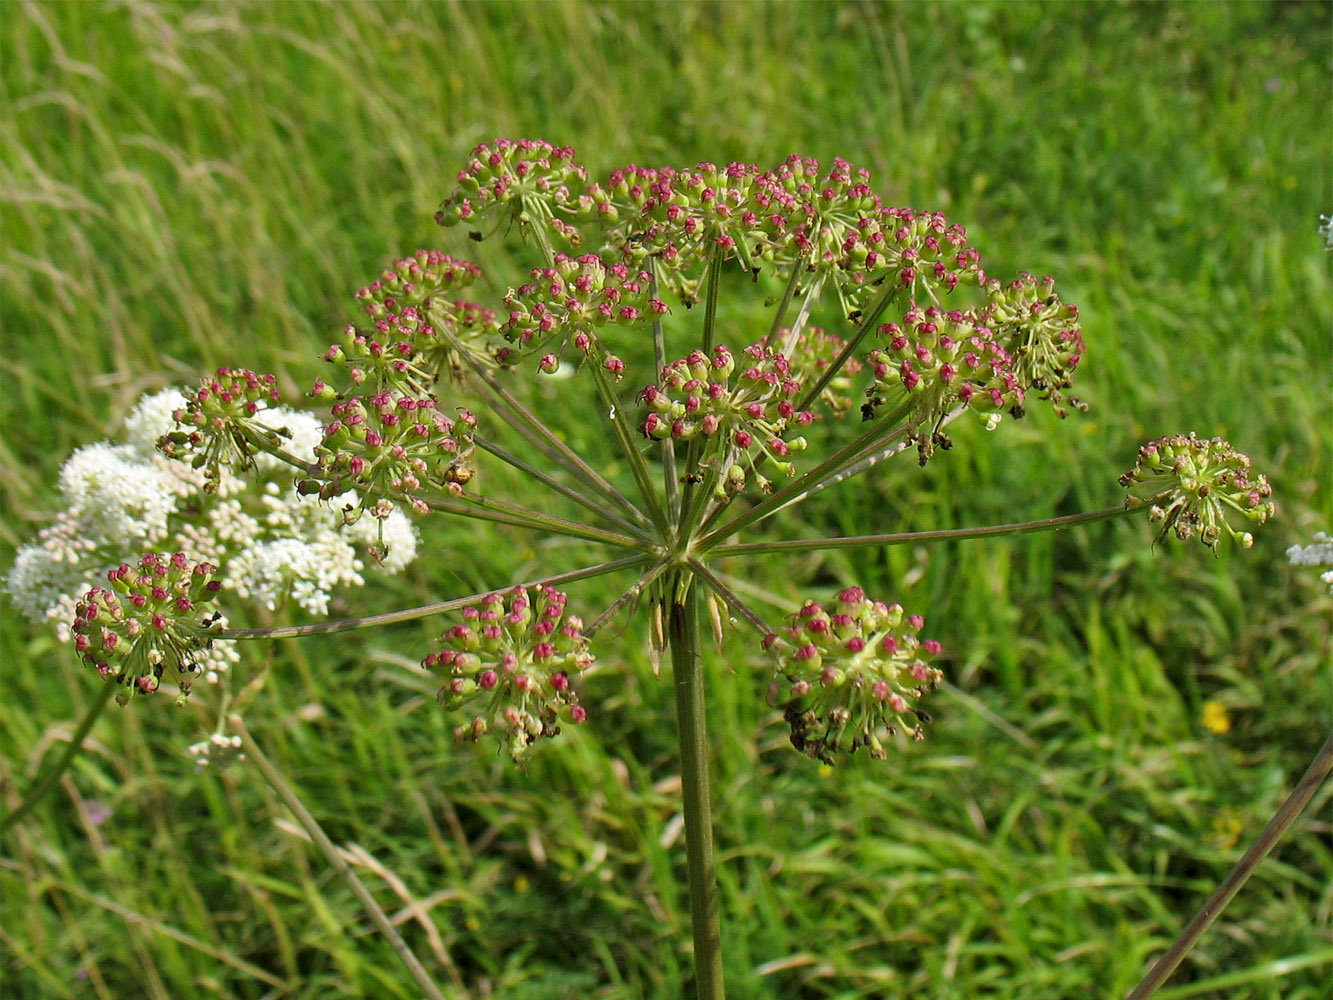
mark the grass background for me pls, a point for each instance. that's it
(186, 185)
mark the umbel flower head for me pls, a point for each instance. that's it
(570, 301)
(418, 333)
(152, 619)
(743, 423)
(935, 360)
(1193, 486)
(219, 417)
(510, 663)
(392, 356)
(851, 672)
(393, 445)
(415, 283)
(520, 177)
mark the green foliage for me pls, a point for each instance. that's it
(188, 186)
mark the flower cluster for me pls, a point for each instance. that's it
(812, 353)
(1023, 340)
(521, 177)
(415, 283)
(678, 216)
(1193, 484)
(221, 421)
(569, 301)
(826, 224)
(269, 544)
(935, 360)
(300, 548)
(392, 356)
(850, 673)
(742, 424)
(1319, 553)
(511, 661)
(1041, 334)
(418, 332)
(151, 620)
(390, 444)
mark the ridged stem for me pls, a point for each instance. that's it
(687, 674)
(425, 611)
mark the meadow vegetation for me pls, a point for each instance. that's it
(189, 185)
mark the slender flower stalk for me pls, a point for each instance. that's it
(873, 437)
(1315, 775)
(537, 433)
(488, 509)
(550, 482)
(426, 610)
(273, 778)
(919, 537)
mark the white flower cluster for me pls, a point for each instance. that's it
(219, 750)
(270, 543)
(1318, 554)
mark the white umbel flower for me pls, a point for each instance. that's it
(40, 581)
(1318, 554)
(150, 419)
(115, 496)
(307, 569)
(271, 544)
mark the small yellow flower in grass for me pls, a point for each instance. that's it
(1215, 717)
(1227, 827)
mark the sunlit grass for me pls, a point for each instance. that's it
(190, 186)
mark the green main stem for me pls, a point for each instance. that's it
(687, 672)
